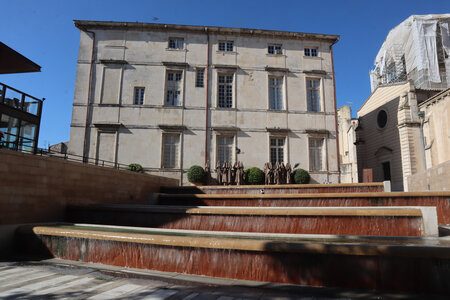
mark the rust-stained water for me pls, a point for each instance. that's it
(398, 262)
(303, 190)
(403, 273)
(442, 203)
(274, 189)
(299, 224)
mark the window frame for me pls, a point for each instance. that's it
(176, 41)
(226, 45)
(231, 150)
(170, 88)
(176, 155)
(279, 149)
(141, 95)
(274, 49)
(310, 107)
(317, 150)
(225, 84)
(197, 81)
(311, 51)
(280, 87)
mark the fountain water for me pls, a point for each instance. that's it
(271, 244)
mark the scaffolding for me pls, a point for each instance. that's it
(418, 49)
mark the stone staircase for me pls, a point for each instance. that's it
(314, 235)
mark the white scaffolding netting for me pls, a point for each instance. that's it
(412, 51)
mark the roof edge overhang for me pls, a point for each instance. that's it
(14, 62)
(114, 25)
(378, 88)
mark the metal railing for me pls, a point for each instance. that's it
(72, 157)
(20, 100)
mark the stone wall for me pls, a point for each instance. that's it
(434, 179)
(37, 189)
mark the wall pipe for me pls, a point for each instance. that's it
(207, 97)
(88, 101)
(335, 116)
(421, 115)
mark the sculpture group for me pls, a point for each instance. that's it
(277, 173)
(228, 174)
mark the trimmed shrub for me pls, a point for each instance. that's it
(135, 168)
(301, 176)
(254, 176)
(196, 174)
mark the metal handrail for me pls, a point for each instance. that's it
(16, 90)
(72, 157)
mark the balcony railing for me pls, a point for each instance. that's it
(20, 100)
(20, 118)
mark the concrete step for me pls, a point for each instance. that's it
(277, 189)
(440, 200)
(418, 265)
(379, 221)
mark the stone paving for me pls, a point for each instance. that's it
(60, 279)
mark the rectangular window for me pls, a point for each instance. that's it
(139, 95)
(274, 49)
(315, 154)
(200, 75)
(226, 46)
(224, 149)
(277, 150)
(313, 94)
(225, 91)
(311, 51)
(173, 96)
(176, 43)
(276, 93)
(170, 150)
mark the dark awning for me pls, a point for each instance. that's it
(12, 61)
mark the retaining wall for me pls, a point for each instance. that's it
(433, 179)
(37, 189)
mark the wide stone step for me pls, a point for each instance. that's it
(416, 265)
(379, 221)
(276, 189)
(440, 200)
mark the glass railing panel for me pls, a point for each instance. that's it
(31, 105)
(13, 98)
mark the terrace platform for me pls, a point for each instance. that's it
(282, 238)
(373, 263)
(380, 221)
(440, 200)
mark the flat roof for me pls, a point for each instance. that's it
(14, 62)
(83, 25)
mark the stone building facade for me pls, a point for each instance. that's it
(435, 119)
(388, 136)
(172, 96)
(347, 146)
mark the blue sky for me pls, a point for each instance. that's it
(43, 31)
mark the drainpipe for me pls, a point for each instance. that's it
(335, 116)
(421, 115)
(88, 101)
(207, 96)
